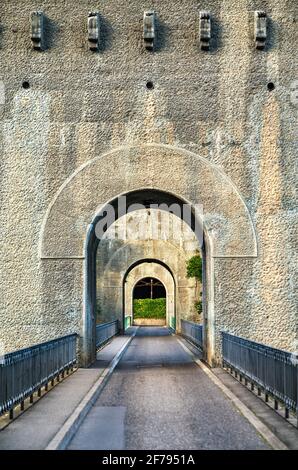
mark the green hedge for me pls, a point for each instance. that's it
(149, 308)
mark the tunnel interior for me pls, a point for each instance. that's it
(167, 237)
(149, 300)
(149, 288)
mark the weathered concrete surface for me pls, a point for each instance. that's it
(158, 398)
(82, 106)
(149, 322)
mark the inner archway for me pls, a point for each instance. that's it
(152, 285)
(165, 239)
(149, 302)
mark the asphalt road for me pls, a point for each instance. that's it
(158, 398)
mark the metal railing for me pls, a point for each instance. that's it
(105, 331)
(272, 370)
(193, 332)
(173, 323)
(127, 321)
(26, 371)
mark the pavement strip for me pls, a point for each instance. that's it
(63, 437)
(262, 429)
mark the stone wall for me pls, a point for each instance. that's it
(81, 105)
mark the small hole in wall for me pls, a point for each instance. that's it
(149, 85)
(26, 85)
(270, 86)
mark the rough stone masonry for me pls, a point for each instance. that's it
(198, 107)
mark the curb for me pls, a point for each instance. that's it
(261, 428)
(63, 437)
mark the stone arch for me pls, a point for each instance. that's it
(151, 172)
(150, 269)
(173, 258)
(173, 171)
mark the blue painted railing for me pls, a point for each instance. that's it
(26, 371)
(272, 370)
(193, 332)
(127, 322)
(105, 331)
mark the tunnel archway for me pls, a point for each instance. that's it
(149, 288)
(149, 297)
(147, 198)
(68, 230)
(150, 269)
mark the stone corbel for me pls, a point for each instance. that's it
(260, 29)
(205, 30)
(37, 30)
(93, 31)
(149, 30)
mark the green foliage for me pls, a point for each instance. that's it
(199, 306)
(149, 308)
(194, 267)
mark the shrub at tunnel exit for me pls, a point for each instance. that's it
(149, 308)
(194, 269)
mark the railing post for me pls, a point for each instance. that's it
(276, 404)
